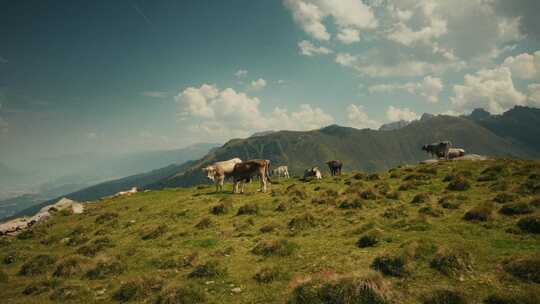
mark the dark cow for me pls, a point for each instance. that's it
(439, 149)
(245, 171)
(335, 167)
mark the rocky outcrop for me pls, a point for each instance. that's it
(17, 225)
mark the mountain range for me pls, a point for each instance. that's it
(513, 134)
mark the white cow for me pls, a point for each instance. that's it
(281, 171)
(455, 152)
(219, 170)
(313, 172)
(128, 192)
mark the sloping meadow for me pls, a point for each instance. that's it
(453, 232)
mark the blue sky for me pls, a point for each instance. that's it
(119, 76)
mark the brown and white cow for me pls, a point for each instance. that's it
(245, 171)
(219, 170)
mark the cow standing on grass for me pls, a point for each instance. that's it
(245, 171)
(335, 167)
(218, 171)
(281, 171)
(439, 149)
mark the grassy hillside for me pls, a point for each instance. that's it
(367, 150)
(459, 232)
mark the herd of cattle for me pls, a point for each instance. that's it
(242, 172)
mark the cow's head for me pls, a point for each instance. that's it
(210, 171)
(425, 148)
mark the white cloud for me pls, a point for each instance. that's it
(241, 73)
(429, 88)
(491, 89)
(346, 59)
(524, 65)
(397, 114)
(257, 84)
(359, 119)
(308, 49)
(348, 35)
(227, 113)
(155, 94)
(310, 15)
(534, 94)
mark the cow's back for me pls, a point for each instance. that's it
(227, 166)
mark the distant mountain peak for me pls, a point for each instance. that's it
(395, 125)
(262, 133)
(426, 116)
(480, 113)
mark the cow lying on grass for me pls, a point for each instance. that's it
(245, 171)
(219, 170)
(312, 173)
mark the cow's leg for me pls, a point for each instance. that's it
(263, 183)
(243, 185)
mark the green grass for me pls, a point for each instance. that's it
(336, 239)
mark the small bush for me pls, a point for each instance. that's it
(421, 198)
(503, 198)
(369, 290)
(268, 228)
(481, 212)
(275, 248)
(190, 294)
(351, 203)
(26, 235)
(428, 210)
(527, 268)
(368, 195)
(407, 186)
(282, 207)
(428, 170)
(302, 222)
(521, 297)
(417, 177)
(68, 268)
(360, 176)
(373, 177)
(152, 232)
(530, 224)
(106, 217)
(418, 249)
(445, 296)
(204, 223)
(268, 275)
(390, 265)
(368, 240)
(92, 249)
(393, 195)
(104, 269)
(37, 265)
(452, 262)
(137, 289)
(39, 287)
(516, 209)
(12, 257)
(210, 269)
(459, 184)
(248, 209)
(449, 202)
(394, 213)
(75, 293)
(221, 208)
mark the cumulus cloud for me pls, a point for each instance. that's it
(346, 14)
(308, 49)
(241, 73)
(491, 89)
(397, 114)
(225, 113)
(429, 88)
(359, 119)
(346, 59)
(155, 94)
(526, 66)
(348, 35)
(534, 94)
(257, 84)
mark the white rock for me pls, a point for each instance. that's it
(77, 208)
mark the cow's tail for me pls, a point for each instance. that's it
(267, 172)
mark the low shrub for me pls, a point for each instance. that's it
(222, 208)
(393, 195)
(482, 212)
(445, 296)
(368, 240)
(302, 222)
(209, 269)
(373, 177)
(68, 267)
(421, 198)
(275, 248)
(189, 294)
(282, 207)
(351, 203)
(268, 275)
(527, 268)
(503, 198)
(428, 210)
(370, 290)
(104, 269)
(516, 209)
(407, 186)
(449, 202)
(137, 289)
(368, 194)
(204, 223)
(418, 249)
(360, 176)
(452, 262)
(39, 287)
(152, 232)
(106, 217)
(530, 224)
(37, 265)
(69, 293)
(394, 212)
(390, 265)
(521, 297)
(248, 209)
(460, 183)
(268, 228)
